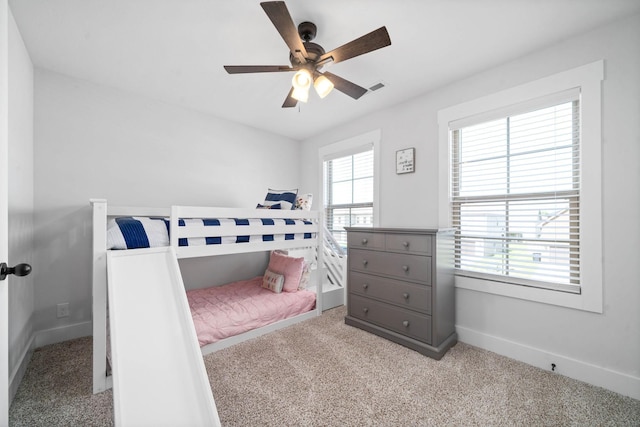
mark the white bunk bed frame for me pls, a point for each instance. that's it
(102, 380)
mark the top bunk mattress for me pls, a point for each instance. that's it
(148, 232)
(223, 311)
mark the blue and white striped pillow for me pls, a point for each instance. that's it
(286, 198)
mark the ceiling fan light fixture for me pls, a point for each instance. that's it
(323, 86)
(302, 79)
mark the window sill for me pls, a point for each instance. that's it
(585, 301)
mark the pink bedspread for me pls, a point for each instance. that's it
(223, 311)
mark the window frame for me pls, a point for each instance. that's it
(348, 147)
(588, 79)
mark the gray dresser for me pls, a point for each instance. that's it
(400, 286)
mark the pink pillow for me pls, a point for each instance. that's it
(291, 268)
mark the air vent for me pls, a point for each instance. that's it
(376, 86)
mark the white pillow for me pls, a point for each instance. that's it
(273, 281)
(303, 202)
(304, 278)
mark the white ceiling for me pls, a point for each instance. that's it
(174, 50)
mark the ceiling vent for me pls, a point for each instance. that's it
(376, 86)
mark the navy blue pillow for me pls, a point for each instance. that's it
(286, 198)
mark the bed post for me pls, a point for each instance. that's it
(99, 294)
(173, 228)
(320, 263)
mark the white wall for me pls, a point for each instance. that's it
(95, 142)
(21, 291)
(603, 349)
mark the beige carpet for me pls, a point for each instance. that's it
(324, 373)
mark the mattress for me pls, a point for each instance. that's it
(223, 311)
(149, 232)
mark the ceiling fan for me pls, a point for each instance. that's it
(307, 58)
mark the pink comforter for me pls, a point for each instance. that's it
(223, 311)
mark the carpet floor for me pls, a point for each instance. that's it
(322, 372)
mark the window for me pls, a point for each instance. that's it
(521, 183)
(350, 184)
(515, 197)
(349, 193)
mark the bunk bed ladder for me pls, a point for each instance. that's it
(334, 271)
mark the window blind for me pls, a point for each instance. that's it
(515, 197)
(348, 189)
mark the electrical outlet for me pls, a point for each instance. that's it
(63, 310)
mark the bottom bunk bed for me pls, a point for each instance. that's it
(225, 311)
(287, 293)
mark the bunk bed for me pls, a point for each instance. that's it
(190, 235)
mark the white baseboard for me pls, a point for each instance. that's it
(15, 377)
(62, 333)
(596, 375)
(42, 338)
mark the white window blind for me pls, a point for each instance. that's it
(348, 189)
(515, 196)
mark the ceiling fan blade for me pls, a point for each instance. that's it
(369, 42)
(290, 101)
(279, 14)
(345, 86)
(239, 69)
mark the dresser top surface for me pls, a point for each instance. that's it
(397, 230)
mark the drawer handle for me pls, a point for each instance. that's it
(405, 244)
(365, 241)
(405, 268)
(365, 286)
(405, 323)
(365, 310)
(405, 295)
(365, 262)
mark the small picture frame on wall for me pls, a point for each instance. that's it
(405, 161)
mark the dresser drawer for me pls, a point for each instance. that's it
(410, 243)
(402, 321)
(362, 239)
(402, 266)
(404, 294)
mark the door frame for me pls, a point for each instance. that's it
(4, 214)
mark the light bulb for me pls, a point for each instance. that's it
(300, 93)
(301, 79)
(323, 86)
